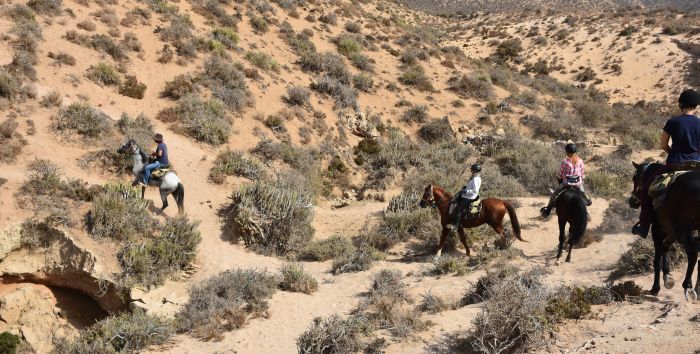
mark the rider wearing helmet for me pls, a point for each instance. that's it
(571, 174)
(467, 195)
(684, 131)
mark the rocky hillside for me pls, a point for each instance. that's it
(468, 6)
(304, 134)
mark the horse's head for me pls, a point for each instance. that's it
(129, 147)
(642, 172)
(428, 197)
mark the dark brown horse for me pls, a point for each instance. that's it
(492, 213)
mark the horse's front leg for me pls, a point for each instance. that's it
(164, 198)
(562, 238)
(692, 254)
(463, 239)
(443, 238)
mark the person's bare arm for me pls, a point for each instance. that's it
(664, 142)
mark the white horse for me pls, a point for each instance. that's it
(168, 184)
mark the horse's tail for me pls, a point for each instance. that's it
(579, 222)
(179, 195)
(513, 220)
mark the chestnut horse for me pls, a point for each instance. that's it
(491, 213)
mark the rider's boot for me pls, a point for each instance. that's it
(588, 199)
(640, 230)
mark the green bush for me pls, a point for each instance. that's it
(103, 74)
(295, 279)
(416, 114)
(331, 64)
(348, 44)
(222, 303)
(272, 217)
(415, 75)
(227, 83)
(259, 24)
(8, 343)
(436, 131)
(46, 7)
(227, 36)
(323, 250)
(478, 87)
(180, 86)
(362, 62)
(432, 303)
(129, 332)
(131, 87)
(344, 95)
(262, 60)
(118, 212)
(233, 163)
(401, 226)
(297, 96)
(10, 86)
(152, 261)
(363, 82)
(205, 121)
(83, 119)
(508, 50)
(593, 113)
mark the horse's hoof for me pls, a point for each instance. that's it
(654, 292)
(669, 282)
(690, 295)
(568, 260)
(556, 263)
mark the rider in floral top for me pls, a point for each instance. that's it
(571, 174)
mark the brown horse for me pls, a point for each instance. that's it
(492, 213)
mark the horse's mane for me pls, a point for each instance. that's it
(442, 190)
(144, 157)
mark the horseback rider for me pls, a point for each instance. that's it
(160, 157)
(684, 131)
(571, 175)
(467, 195)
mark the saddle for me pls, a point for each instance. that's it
(474, 210)
(659, 187)
(160, 172)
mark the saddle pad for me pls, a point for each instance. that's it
(660, 185)
(159, 173)
(476, 207)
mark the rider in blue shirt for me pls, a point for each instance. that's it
(684, 133)
(160, 156)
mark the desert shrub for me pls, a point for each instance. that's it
(352, 27)
(128, 332)
(9, 343)
(46, 7)
(604, 184)
(180, 86)
(51, 99)
(437, 130)
(140, 128)
(323, 250)
(44, 179)
(415, 75)
(383, 304)
(28, 33)
(478, 292)
(10, 86)
(223, 302)
(87, 25)
(11, 143)
(227, 36)
(344, 95)
(331, 64)
(362, 62)
(478, 87)
(513, 157)
(179, 30)
(277, 226)
(557, 124)
(587, 74)
(401, 226)
(448, 264)
(297, 96)
(169, 251)
(507, 325)
(62, 58)
(432, 303)
(105, 43)
(103, 74)
(233, 163)
(259, 24)
(593, 113)
(644, 133)
(333, 335)
(295, 279)
(363, 82)
(21, 12)
(639, 258)
(508, 50)
(22, 64)
(262, 60)
(621, 291)
(675, 27)
(118, 212)
(348, 44)
(360, 259)
(329, 18)
(131, 87)
(416, 114)
(83, 119)
(227, 83)
(501, 76)
(131, 42)
(205, 121)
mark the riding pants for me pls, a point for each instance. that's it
(461, 204)
(148, 170)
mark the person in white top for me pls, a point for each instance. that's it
(467, 195)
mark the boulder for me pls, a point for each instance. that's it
(359, 125)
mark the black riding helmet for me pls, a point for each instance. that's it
(689, 98)
(476, 168)
(570, 148)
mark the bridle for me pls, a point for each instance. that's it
(431, 199)
(640, 175)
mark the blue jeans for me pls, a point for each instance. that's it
(148, 170)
